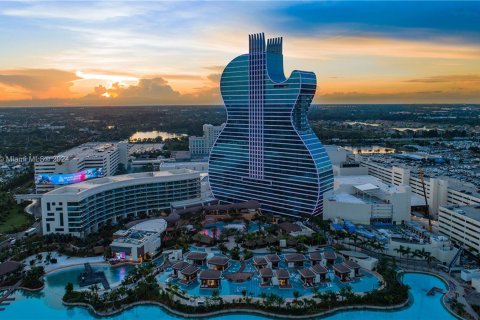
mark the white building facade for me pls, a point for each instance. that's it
(82, 208)
(201, 146)
(138, 242)
(367, 200)
(106, 156)
(440, 191)
(462, 225)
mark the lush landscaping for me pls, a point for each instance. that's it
(13, 218)
(141, 285)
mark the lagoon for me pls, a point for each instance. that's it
(47, 305)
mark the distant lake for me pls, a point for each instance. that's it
(140, 135)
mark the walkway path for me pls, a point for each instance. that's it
(456, 289)
(9, 291)
(62, 261)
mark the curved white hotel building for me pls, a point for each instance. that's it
(79, 209)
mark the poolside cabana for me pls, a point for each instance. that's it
(189, 274)
(330, 257)
(352, 265)
(203, 239)
(320, 273)
(196, 258)
(177, 267)
(218, 263)
(294, 260)
(271, 239)
(342, 271)
(315, 257)
(260, 243)
(307, 276)
(260, 262)
(266, 275)
(250, 244)
(283, 277)
(210, 278)
(273, 260)
(291, 242)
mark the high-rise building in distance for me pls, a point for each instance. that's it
(267, 150)
(94, 159)
(201, 146)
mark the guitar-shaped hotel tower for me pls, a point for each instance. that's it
(267, 150)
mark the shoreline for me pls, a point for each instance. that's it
(253, 310)
(243, 310)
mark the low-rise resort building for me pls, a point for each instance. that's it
(189, 274)
(210, 279)
(141, 241)
(295, 260)
(307, 276)
(218, 263)
(320, 273)
(197, 258)
(266, 275)
(283, 278)
(342, 271)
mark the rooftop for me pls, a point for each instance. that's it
(472, 212)
(289, 227)
(306, 273)
(87, 150)
(319, 269)
(219, 261)
(259, 261)
(153, 225)
(195, 255)
(266, 273)
(351, 264)
(367, 183)
(341, 268)
(294, 257)
(140, 232)
(86, 185)
(210, 274)
(180, 265)
(8, 267)
(273, 257)
(315, 256)
(282, 273)
(189, 270)
(330, 255)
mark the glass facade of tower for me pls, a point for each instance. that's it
(267, 150)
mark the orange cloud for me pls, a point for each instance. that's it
(150, 91)
(37, 83)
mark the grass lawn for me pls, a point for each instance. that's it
(15, 220)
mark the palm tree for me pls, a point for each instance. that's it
(262, 296)
(408, 251)
(244, 294)
(279, 300)
(417, 254)
(216, 295)
(400, 250)
(296, 295)
(331, 298)
(354, 237)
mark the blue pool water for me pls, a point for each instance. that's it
(55, 282)
(218, 227)
(39, 306)
(368, 282)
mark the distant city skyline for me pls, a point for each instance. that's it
(145, 53)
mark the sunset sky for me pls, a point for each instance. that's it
(143, 53)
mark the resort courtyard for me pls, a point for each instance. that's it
(200, 273)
